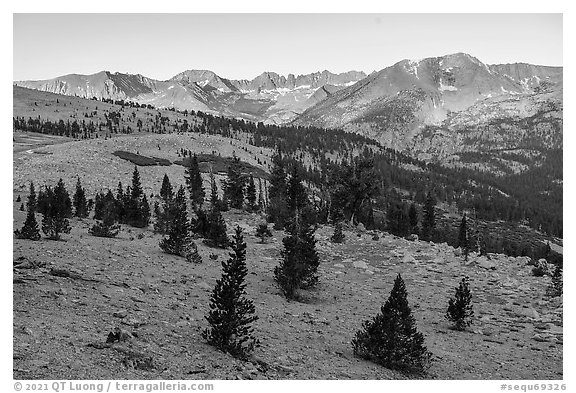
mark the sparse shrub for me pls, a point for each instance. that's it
(191, 253)
(231, 313)
(540, 268)
(263, 232)
(213, 256)
(460, 307)
(338, 235)
(556, 287)
(390, 338)
(375, 237)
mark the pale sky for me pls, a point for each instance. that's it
(241, 46)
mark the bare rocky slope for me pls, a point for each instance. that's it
(438, 108)
(68, 295)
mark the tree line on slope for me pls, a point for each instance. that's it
(531, 198)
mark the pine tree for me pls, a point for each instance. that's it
(216, 236)
(261, 198)
(338, 235)
(194, 182)
(18, 199)
(145, 212)
(166, 192)
(263, 232)
(463, 237)
(32, 203)
(200, 226)
(429, 221)
(391, 338)
(299, 264)
(251, 194)
(398, 220)
(62, 198)
(57, 209)
(278, 212)
(231, 313)
(413, 217)
(215, 201)
(22, 207)
(30, 229)
(43, 203)
(178, 227)
(295, 191)
(556, 288)
(460, 307)
(108, 227)
(132, 200)
(234, 187)
(79, 201)
(120, 204)
(100, 206)
(163, 214)
(135, 204)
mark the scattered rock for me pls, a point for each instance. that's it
(204, 285)
(120, 314)
(118, 335)
(484, 263)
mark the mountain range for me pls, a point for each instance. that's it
(442, 103)
(268, 97)
(436, 108)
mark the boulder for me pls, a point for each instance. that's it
(120, 314)
(360, 265)
(484, 263)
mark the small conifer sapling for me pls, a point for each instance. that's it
(460, 310)
(391, 338)
(231, 313)
(263, 232)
